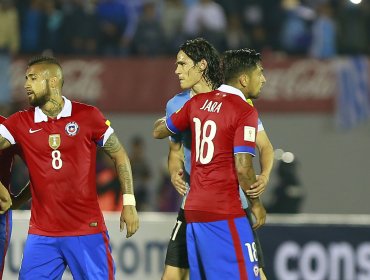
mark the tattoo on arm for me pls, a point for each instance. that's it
(125, 178)
(112, 145)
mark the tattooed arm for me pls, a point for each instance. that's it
(247, 177)
(117, 153)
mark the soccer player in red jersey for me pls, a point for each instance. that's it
(6, 161)
(59, 139)
(220, 240)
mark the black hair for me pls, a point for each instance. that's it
(235, 62)
(43, 60)
(198, 49)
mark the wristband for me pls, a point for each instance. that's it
(129, 199)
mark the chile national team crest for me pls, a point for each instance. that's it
(71, 128)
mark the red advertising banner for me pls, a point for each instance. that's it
(145, 85)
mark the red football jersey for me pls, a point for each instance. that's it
(6, 161)
(61, 157)
(221, 124)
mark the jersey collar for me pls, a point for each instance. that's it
(232, 90)
(66, 112)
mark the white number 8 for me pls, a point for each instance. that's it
(57, 162)
(201, 139)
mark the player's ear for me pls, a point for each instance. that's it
(244, 80)
(53, 82)
(203, 64)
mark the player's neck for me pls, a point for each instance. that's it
(53, 107)
(200, 88)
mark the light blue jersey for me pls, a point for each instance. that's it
(175, 104)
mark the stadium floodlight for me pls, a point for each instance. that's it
(356, 2)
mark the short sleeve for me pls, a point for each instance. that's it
(169, 111)
(8, 128)
(179, 121)
(246, 132)
(101, 129)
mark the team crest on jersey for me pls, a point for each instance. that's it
(71, 128)
(256, 270)
(54, 141)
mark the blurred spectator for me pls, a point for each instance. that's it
(168, 199)
(323, 43)
(172, 20)
(81, 28)
(52, 24)
(31, 25)
(206, 19)
(288, 194)
(9, 29)
(296, 32)
(149, 36)
(116, 25)
(9, 45)
(253, 24)
(236, 37)
(353, 28)
(141, 173)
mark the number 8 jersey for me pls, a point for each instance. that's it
(61, 157)
(221, 125)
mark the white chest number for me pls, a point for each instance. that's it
(57, 162)
(201, 139)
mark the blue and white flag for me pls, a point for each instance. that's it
(353, 99)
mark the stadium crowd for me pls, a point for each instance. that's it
(320, 28)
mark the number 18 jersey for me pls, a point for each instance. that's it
(221, 125)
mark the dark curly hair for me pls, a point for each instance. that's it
(235, 62)
(198, 49)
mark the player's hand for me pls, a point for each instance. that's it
(259, 213)
(130, 218)
(262, 275)
(5, 204)
(177, 179)
(258, 187)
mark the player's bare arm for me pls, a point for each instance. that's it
(247, 177)
(114, 149)
(266, 152)
(5, 200)
(23, 196)
(176, 167)
(4, 143)
(160, 129)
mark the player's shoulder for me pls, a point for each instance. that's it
(177, 101)
(179, 98)
(2, 119)
(83, 107)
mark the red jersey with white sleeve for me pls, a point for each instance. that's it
(6, 161)
(61, 157)
(221, 125)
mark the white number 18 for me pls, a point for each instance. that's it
(201, 139)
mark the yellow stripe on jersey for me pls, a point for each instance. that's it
(107, 122)
(250, 102)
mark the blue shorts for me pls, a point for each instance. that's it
(222, 250)
(5, 234)
(87, 256)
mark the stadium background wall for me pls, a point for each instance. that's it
(296, 247)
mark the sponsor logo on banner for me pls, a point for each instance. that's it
(54, 141)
